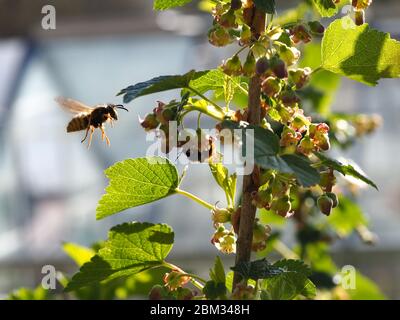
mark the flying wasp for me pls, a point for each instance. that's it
(90, 118)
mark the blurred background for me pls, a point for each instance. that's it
(50, 183)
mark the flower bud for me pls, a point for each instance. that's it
(261, 232)
(184, 294)
(281, 206)
(228, 19)
(290, 55)
(219, 36)
(289, 137)
(271, 86)
(262, 65)
(319, 134)
(306, 146)
(218, 234)
(300, 33)
(335, 200)
(261, 198)
(258, 50)
(165, 115)
(158, 292)
(289, 98)
(249, 66)
(300, 77)
(278, 67)
(220, 215)
(150, 122)
(285, 113)
(322, 142)
(236, 4)
(316, 28)
(158, 112)
(219, 10)
(232, 66)
(327, 179)
(227, 244)
(300, 123)
(175, 279)
(318, 129)
(325, 204)
(279, 188)
(245, 35)
(243, 291)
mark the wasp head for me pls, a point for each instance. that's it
(112, 112)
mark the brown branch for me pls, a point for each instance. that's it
(248, 211)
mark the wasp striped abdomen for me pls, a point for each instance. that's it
(78, 123)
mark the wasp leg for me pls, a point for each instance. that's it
(90, 136)
(87, 131)
(111, 121)
(103, 135)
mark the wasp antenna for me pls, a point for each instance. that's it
(120, 106)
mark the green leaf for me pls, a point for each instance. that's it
(319, 256)
(291, 265)
(290, 283)
(292, 15)
(326, 8)
(220, 173)
(360, 52)
(289, 287)
(232, 187)
(78, 253)
(194, 82)
(343, 169)
(309, 290)
(229, 281)
(208, 80)
(266, 144)
(266, 148)
(158, 84)
(225, 181)
(39, 293)
(214, 290)
(130, 248)
(365, 289)
(216, 80)
(139, 284)
(268, 6)
(218, 273)
(229, 90)
(301, 167)
(258, 269)
(346, 217)
(134, 182)
(167, 4)
(268, 217)
(323, 84)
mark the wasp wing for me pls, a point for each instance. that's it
(73, 105)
